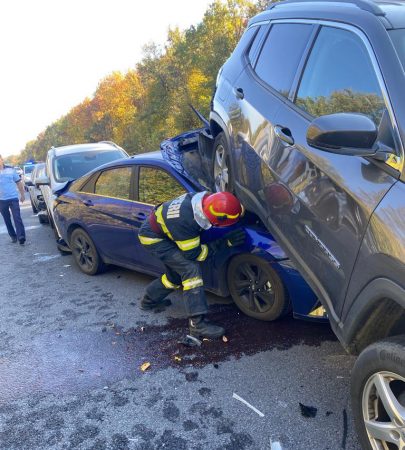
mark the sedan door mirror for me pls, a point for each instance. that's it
(42, 181)
(344, 134)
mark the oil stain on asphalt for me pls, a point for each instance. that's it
(75, 360)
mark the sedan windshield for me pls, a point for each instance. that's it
(73, 166)
(398, 38)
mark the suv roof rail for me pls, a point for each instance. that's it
(366, 5)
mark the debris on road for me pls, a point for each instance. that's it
(236, 396)
(190, 341)
(224, 338)
(308, 411)
(145, 366)
(177, 358)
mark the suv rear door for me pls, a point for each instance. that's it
(319, 203)
(259, 92)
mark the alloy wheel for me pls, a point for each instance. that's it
(254, 288)
(383, 405)
(84, 252)
(221, 170)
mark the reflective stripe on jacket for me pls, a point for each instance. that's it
(176, 219)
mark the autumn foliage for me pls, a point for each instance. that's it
(139, 108)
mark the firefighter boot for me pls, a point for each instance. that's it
(201, 327)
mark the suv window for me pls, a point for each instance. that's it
(115, 183)
(339, 77)
(157, 186)
(256, 44)
(281, 54)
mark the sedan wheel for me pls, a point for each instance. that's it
(221, 165)
(85, 252)
(378, 395)
(256, 288)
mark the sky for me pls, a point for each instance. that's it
(55, 52)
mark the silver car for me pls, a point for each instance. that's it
(65, 164)
(36, 198)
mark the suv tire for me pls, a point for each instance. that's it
(85, 252)
(43, 219)
(221, 165)
(378, 394)
(256, 288)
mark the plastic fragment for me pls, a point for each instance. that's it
(190, 341)
(224, 338)
(145, 366)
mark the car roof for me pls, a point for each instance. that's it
(79, 148)
(390, 13)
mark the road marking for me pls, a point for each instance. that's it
(236, 396)
(45, 258)
(3, 228)
(275, 446)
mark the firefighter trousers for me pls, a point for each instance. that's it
(179, 272)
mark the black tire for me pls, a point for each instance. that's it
(220, 153)
(85, 252)
(256, 288)
(43, 219)
(379, 368)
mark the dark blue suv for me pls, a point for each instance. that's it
(308, 129)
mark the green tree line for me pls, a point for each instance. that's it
(139, 108)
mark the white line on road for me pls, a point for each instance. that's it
(236, 396)
(45, 258)
(3, 228)
(275, 446)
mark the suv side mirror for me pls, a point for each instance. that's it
(343, 133)
(42, 181)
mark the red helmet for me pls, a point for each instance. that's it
(222, 209)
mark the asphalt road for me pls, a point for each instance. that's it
(71, 347)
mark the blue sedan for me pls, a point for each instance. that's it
(99, 216)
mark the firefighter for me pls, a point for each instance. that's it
(172, 234)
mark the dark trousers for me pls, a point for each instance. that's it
(12, 205)
(179, 271)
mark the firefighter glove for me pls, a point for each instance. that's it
(235, 238)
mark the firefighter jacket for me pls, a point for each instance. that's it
(181, 220)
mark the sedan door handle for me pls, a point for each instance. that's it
(239, 93)
(284, 134)
(140, 216)
(88, 203)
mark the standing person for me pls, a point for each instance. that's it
(9, 182)
(172, 234)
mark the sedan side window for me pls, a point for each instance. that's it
(339, 77)
(115, 183)
(281, 54)
(157, 186)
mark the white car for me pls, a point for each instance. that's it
(65, 164)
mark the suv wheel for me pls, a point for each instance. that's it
(221, 165)
(256, 288)
(378, 395)
(85, 252)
